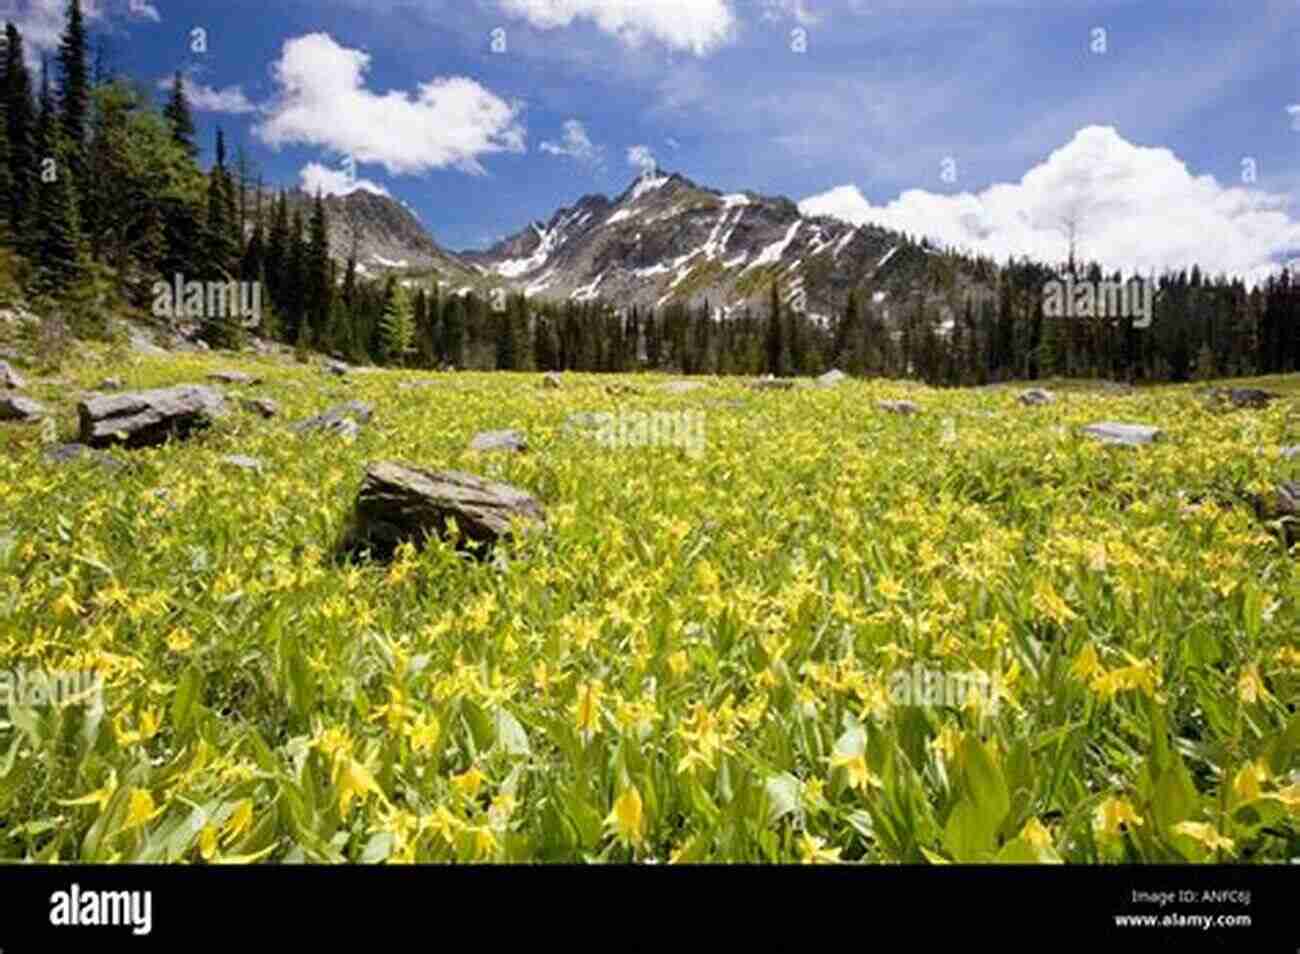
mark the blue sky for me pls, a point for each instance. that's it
(1167, 138)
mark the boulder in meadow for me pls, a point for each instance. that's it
(147, 418)
(832, 378)
(72, 453)
(401, 503)
(263, 407)
(1126, 435)
(1036, 397)
(552, 381)
(343, 419)
(513, 441)
(15, 407)
(233, 377)
(1283, 504)
(9, 378)
(1255, 398)
(906, 408)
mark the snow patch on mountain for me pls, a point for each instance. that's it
(772, 254)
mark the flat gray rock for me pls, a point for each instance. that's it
(243, 463)
(772, 384)
(337, 368)
(72, 453)
(147, 418)
(342, 419)
(513, 441)
(1256, 398)
(400, 503)
(1127, 435)
(233, 377)
(15, 407)
(263, 407)
(832, 378)
(111, 384)
(552, 381)
(1036, 397)
(906, 408)
(681, 387)
(11, 379)
(1282, 504)
(1290, 453)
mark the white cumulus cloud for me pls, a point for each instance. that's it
(1132, 207)
(643, 158)
(323, 101)
(41, 22)
(576, 144)
(699, 26)
(315, 177)
(205, 99)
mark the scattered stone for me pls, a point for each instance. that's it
(344, 419)
(233, 377)
(111, 384)
(400, 503)
(68, 453)
(1255, 398)
(9, 378)
(617, 390)
(1284, 505)
(1036, 397)
(147, 418)
(899, 407)
(15, 407)
(243, 463)
(832, 378)
(500, 441)
(1128, 435)
(585, 420)
(336, 368)
(1290, 453)
(770, 383)
(552, 381)
(263, 407)
(682, 387)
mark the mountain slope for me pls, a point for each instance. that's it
(667, 240)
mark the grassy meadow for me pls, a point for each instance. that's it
(711, 654)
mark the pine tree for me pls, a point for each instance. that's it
(774, 345)
(20, 125)
(319, 288)
(55, 232)
(397, 327)
(277, 253)
(179, 118)
(74, 95)
(296, 328)
(223, 245)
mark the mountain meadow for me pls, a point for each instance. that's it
(682, 528)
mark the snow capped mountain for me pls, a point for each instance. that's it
(666, 240)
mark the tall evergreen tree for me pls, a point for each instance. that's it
(179, 118)
(74, 91)
(20, 124)
(319, 286)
